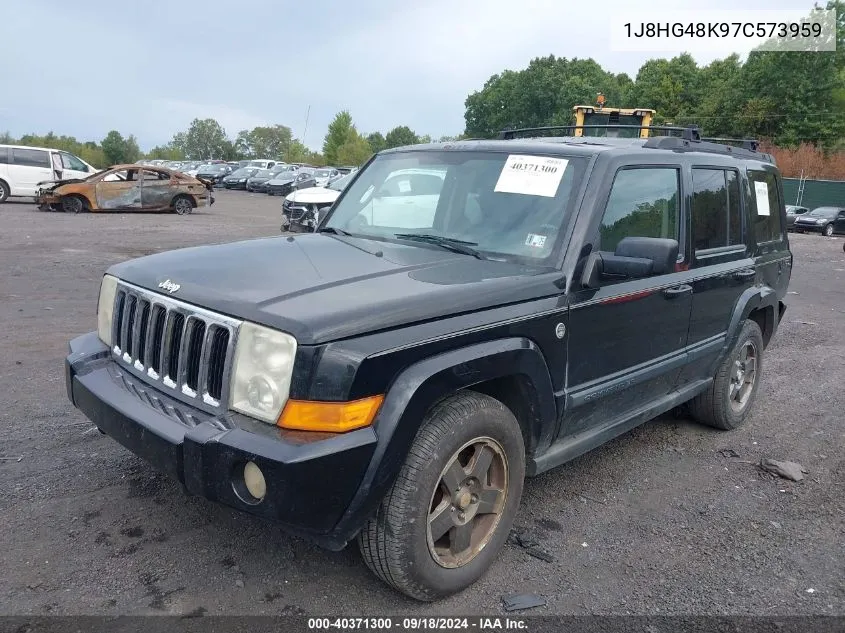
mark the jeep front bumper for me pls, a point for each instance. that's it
(310, 484)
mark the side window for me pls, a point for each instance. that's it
(4, 155)
(72, 162)
(643, 203)
(31, 157)
(147, 174)
(765, 206)
(716, 216)
(117, 176)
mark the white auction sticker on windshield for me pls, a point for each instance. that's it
(531, 175)
(761, 189)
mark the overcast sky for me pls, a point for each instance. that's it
(84, 67)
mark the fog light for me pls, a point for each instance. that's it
(254, 481)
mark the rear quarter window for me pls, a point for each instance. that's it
(4, 155)
(765, 206)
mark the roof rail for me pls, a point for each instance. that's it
(690, 133)
(745, 143)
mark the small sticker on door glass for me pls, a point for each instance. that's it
(531, 175)
(761, 189)
(537, 241)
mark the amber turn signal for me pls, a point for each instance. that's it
(329, 417)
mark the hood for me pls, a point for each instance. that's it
(282, 180)
(313, 195)
(52, 184)
(320, 287)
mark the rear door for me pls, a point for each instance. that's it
(119, 190)
(156, 189)
(721, 261)
(839, 222)
(27, 167)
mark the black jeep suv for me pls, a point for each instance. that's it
(499, 309)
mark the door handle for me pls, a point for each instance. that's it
(745, 275)
(677, 291)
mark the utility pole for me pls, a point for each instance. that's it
(305, 131)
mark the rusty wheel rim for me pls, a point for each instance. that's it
(182, 206)
(467, 502)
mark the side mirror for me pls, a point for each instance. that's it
(634, 258)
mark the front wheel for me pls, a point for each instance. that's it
(182, 205)
(450, 510)
(74, 204)
(828, 230)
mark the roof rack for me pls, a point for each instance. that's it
(679, 139)
(690, 133)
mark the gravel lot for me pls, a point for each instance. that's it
(671, 518)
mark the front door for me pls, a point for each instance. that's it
(73, 167)
(627, 338)
(119, 190)
(156, 190)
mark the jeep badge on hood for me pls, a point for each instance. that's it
(169, 286)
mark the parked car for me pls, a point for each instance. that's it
(347, 169)
(190, 168)
(824, 220)
(263, 163)
(395, 386)
(23, 169)
(792, 212)
(288, 181)
(259, 181)
(128, 188)
(215, 172)
(303, 209)
(237, 179)
(325, 175)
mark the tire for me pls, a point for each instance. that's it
(828, 230)
(4, 191)
(182, 205)
(74, 204)
(398, 544)
(726, 403)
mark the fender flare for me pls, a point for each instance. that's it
(417, 388)
(752, 299)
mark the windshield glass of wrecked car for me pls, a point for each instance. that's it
(511, 205)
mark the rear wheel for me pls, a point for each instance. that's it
(74, 204)
(448, 514)
(182, 205)
(828, 230)
(4, 191)
(726, 403)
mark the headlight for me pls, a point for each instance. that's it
(262, 372)
(242, 180)
(105, 308)
(821, 221)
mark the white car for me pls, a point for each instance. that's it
(407, 199)
(303, 209)
(22, 168)
(325, 175)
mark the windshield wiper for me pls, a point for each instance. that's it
(449, 243)
(331, 229)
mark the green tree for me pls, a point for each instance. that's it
(340, 131)
(119, 150)
(204, 139)
(376, 141)
(399, 136)
(165, 152)
(354, 151)
(263, 142)
(297, 152)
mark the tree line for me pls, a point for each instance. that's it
(787, 98)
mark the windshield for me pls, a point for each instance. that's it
(824, 212)
(512, 206)
(244, 172)
(212, 169)
(322, 173)
(263, 173)
(340, 183)
(285, 175)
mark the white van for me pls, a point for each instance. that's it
(22, 168)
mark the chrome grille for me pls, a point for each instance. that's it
(185, 350)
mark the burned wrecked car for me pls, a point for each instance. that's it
(127, 188)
